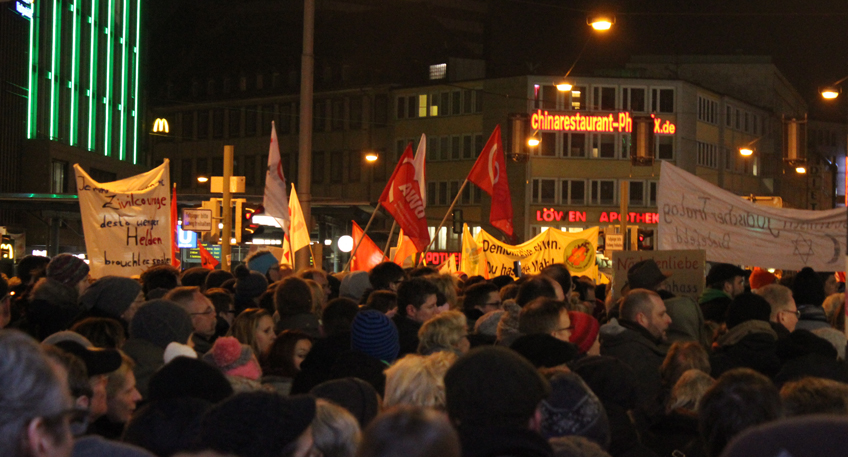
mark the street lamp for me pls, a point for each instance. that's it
(599, 23)
(202, 179)
(832, 91)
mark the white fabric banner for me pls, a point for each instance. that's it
(126, 223)
(695, 214)
(275, 200)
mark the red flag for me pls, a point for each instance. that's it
(175, 251)
(402, 199)
(207, 260)
(489, 174)
(368, 255)
(404, 250)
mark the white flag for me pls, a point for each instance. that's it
(275, 200)
(418, 163)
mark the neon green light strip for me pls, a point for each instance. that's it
(137, 113)
(33, 48)
(123, 111)
(92, 78)
(72, 134)
(53, 76)
(106, 136)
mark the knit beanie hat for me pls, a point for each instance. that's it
(354, 284)
(573, 409)
(216, 278)
(67, 269)
(487, 324)
(543, 350)
(746, 307)
(262, 263)
(256, 424)
(195, 276)
(585, 330)
(111, 294)
(508, 325)
(352, 394)
(188, 377)
(374, 334)
(493, 386)
(760, 278)
(161, 322)
(234, 358)
(175, 350)
(249, 284)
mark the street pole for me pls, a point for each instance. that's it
(304, 171)
(623, 217)
(227, 215)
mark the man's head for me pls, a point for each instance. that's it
(727, 278)
(547, 316)
(783, 308)
(159, 277)
(35, 404)
(320, 277)
(482, 296)
(646, 275)
(98, 364)
(539, 286)
(417, 299)
(386, 276)
(559, 273)
(646, 308)
(747, 307)
(478, 393)
(200, 308)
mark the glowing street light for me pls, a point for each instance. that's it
(564, 87)
(371, 157)
(830, 93)
(800, 169)
(202, 179)
(746, 151)
(601, 22)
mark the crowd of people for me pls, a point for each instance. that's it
(394, 362)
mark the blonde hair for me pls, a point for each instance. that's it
(115, 380)
(832, 303)
(417, 380)
(334, 430)
(448, 286)
(442, 332)
(318, 297)
(689, 389)
(245, 326)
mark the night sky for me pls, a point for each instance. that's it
(807, 40)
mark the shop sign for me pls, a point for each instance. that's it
(620, 122)
(552, 215)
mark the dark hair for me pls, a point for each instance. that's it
(166, 427)
(266, 301)
(411, 432)
(280, 361)
(414, 292)
(159, 277)
(540, 316)
(635, 302)
(683, 356)
(815, 396)
(422, 271)
(183, 295)
(382, 301)
(471, 280)
(221, 299)
(509, 291)
(477, 295)
(559, 273)
(740, 399)
(77, 374)
(808, 288)
(103, 332)
(311, 273)
(535, 287)
(32, 265)
(338, 315)
(384, 274)
(195, 276)
(293, 296)
(216, 278)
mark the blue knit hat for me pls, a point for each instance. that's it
(374, 334)
(262, 262)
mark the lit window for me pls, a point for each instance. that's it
(438, 71)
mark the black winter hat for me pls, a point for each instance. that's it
(722, 272)
(161, 322)
(249, 284)
(195, 276)
(573, 409)
(746, 307)
(353, 394)
(543, 350)
(493, 386)
(187, 377)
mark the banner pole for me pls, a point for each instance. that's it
(441, 224)
(389, 241)
(364, 231)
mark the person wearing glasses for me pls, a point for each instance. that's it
(784, 312)
(203, 316)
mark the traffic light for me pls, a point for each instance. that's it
(457, 221)
(245, 228)
(645, 240)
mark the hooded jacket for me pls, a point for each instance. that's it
(632, 344)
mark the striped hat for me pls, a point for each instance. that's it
(374, 334)
(67, 269)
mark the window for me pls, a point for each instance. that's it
(636, 193)
(652, 193)
(707, 155)
(454, 190)
(317, 167)
(400, 112)
(665, 147)
(442, 197)
(576, 146)
(218, 123)
(250, 121)
(728, 116)
(203, 167)
(603, 146)
(547, 147)
(544, 190)
(467, 101)
(336, 167)
(267, 118)
(602, 192)
(549, 97)
(470, 194)
(319, 115)
(381, 110)
(284, 127)
(355, 115)
(478, 144)
(755, 120)
(438, 71)
(249, 170)
(432, 148)
(59, 177)
(633, 99)
(578, 98)
(738, 116)
(431, 193)
(434, 104)
(478, 101)
(467, 149)
(603, 98)
(444, 148)
(338, 116)
(662, 100)
(456, 152)
(355, 168)
(707, 110)
(444, 103)
(217, 165)
(188, 125)
(573, 192)
(747, 122)
(422, 105)
(456, 102)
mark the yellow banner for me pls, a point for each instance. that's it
(575, 249)
(471, 262)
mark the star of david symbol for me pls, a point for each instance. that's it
(803, 247)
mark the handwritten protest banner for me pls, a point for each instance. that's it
(686, 267)
(575, 249)
(127, 223)
(695, 214)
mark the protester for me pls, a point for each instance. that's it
(122, 397)
(539, 286)
(355, 395)
(814, 396)
(416, 304)
(750, 340)
(249, 287)
(724, 282)
(238, 363)
(53, 301)
(203, 316)
(114, 297)
(410, 432)
(784, 313)
(157, 280)
(255, 328)
(386, 276)
(416, 380)
(103, 332)
(284, 359)
(446, 331)
(264, 263)
(545, 316)
(335, 431)
(293, 302)
(808, 291)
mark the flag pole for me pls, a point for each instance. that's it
(389, 241)
(286, 238)
(364, 231)
(442, 224)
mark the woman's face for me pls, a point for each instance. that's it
(301, 349)
(265, 335)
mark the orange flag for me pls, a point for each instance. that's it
(207, 260)
(404, 249)
(175, 251)
(368, 255)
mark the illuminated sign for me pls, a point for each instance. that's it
(577, 122)
(24, 8)
(7, 251)
(438, 258)
(161, 126)
(552, 215)
(186, 239)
